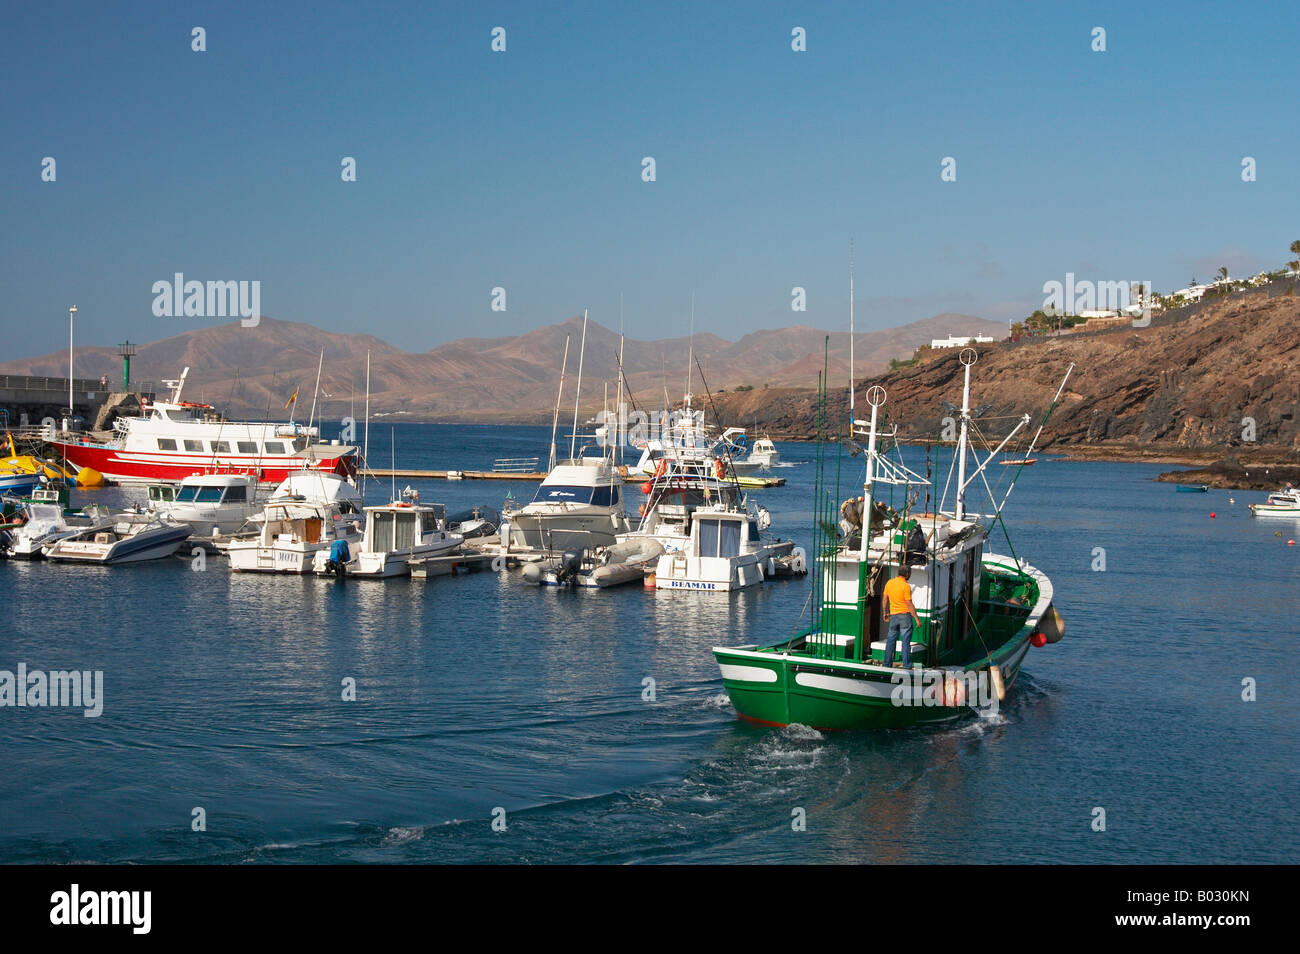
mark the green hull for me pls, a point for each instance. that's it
(781, 690)
(797, 682)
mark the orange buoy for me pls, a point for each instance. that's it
(1211, 514)
(1038, 640)
(646, 488)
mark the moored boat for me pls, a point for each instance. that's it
(131, 538)
(1192, 488)
(173, 439)
(394, 535)
(1282, 503)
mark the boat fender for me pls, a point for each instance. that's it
(954, 690)
(995, 676)
(1038, 640)
(1052, 625)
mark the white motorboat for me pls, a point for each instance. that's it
(1282, 503)
(205, 501)
(305, 515)
(580, 503)
(764, 454)
(131, 538)
(684, 488)
(396, 534)
(45, 523)
(719, 555)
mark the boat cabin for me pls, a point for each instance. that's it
(403, 527)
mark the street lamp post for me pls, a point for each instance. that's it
(71, 314)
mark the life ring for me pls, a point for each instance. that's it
(662, 468)
(720, 468)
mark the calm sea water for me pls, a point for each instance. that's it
(480, 694)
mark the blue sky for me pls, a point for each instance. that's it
(522, 169)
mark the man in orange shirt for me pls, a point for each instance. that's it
(900, 615)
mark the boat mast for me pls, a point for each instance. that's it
(582, 351)
(319, 365)
(875, 397)
(690, 355)
(555, 419)
(618, 401)
(365, 451)
(850, 333)
(967, 357)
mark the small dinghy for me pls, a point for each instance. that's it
(1193, 488)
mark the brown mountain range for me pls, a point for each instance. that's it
(483, 379)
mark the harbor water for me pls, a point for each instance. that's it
(495, 721)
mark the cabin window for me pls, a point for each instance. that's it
(428, 522)
(209, 495)
(274, 447)
(381, 531)
(404, 531)
(194, 446)
(556, 493)
(601, 497)
(236, 494)
(221, 447)
(729, 539)
(708, 538)
(186, 494)
(166, 443)
(246, 447)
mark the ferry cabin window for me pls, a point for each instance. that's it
(221, 447)
(274, 447)
(556, 493)
(166, 443)
(246, 447)
(194, 446)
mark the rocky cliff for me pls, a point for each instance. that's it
(1223, 381)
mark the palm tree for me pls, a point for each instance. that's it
(1295, 247)
(1223, 273)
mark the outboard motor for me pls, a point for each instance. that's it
(340, 557)
(570, 564)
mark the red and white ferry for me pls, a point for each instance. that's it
(174, 439)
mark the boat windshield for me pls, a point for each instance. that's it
(560, 493)
(186, 494)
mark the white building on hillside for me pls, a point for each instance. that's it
(953, 341)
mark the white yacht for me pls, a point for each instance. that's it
(396, 534)
(580, 503)
(204, 501)
(764, 454)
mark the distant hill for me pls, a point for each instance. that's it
(1198, 385)
(484, 379)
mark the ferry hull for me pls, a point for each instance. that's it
(138, 467)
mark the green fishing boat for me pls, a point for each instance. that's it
(979, 612)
